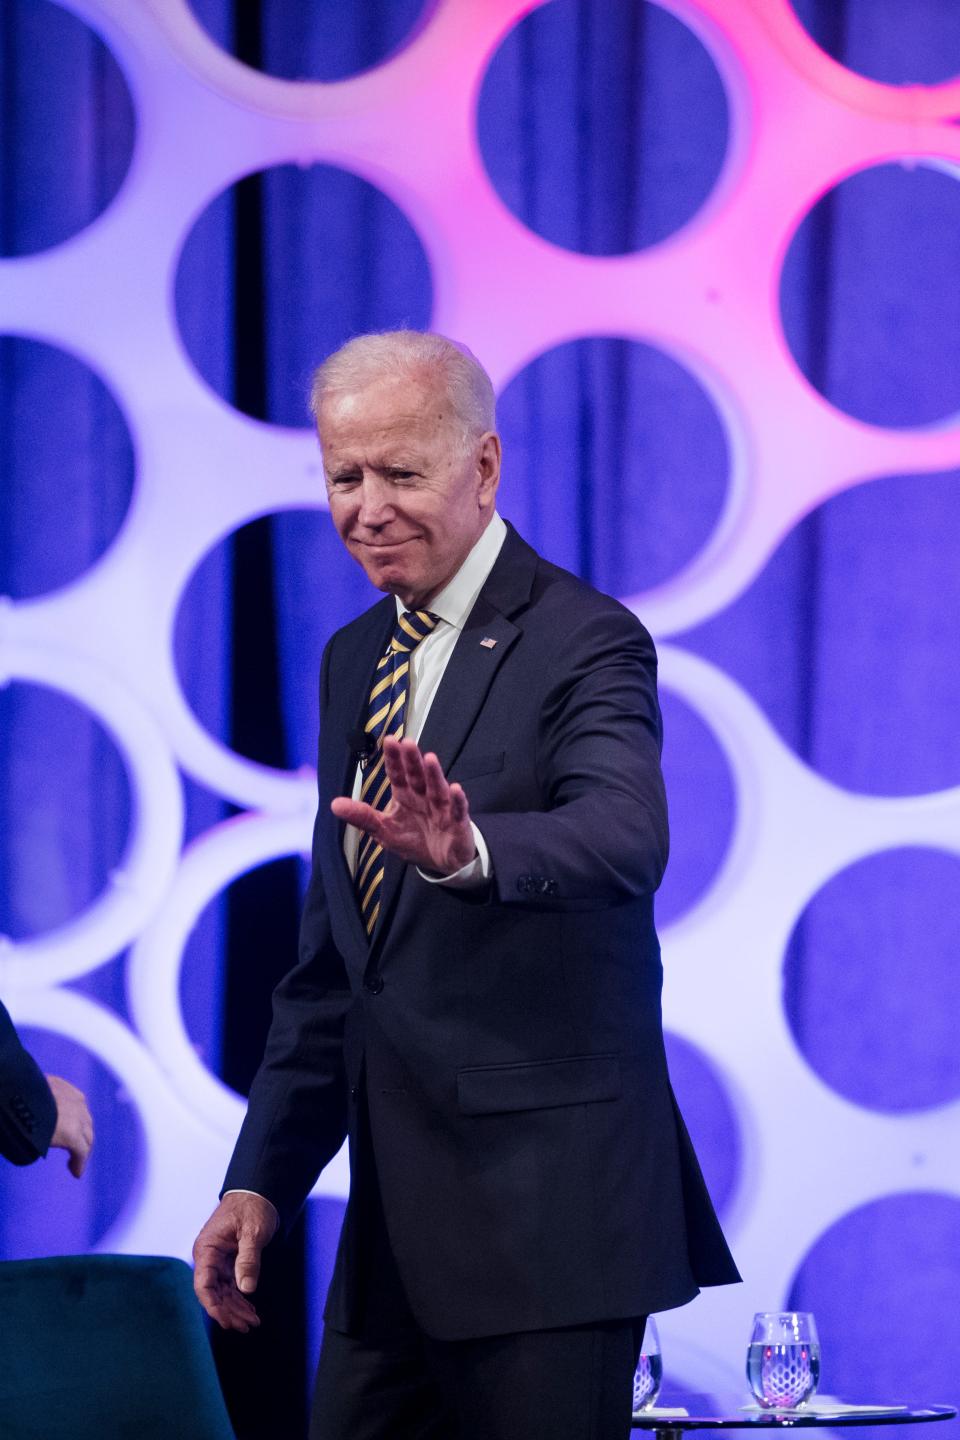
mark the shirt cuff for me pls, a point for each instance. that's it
(471, 876)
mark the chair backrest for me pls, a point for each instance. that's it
(105, 1346)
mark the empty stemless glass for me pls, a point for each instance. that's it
(649, 1371)
(783, 1358)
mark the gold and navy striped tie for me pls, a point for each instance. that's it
(386, 714)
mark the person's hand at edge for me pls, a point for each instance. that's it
(74, 1128)
(226, 1257)
(427, 821)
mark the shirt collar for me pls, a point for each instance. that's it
(457, 599)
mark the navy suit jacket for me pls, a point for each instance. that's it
(28, 1111)
(534, 1168)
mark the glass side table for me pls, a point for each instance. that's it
(709, 1412)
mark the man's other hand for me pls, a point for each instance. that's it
(74, 1127)
(427, 821)
(226, 1256)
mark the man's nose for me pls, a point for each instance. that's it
(375, 502)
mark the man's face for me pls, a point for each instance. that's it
(409, 500)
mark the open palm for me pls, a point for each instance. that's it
(427, 821)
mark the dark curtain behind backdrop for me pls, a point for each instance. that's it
(603, 128)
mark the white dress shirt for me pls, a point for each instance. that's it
(428, 662)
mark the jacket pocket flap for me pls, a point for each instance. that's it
(469, 767)
(493, 1089)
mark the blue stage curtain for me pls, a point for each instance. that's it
(66, 471)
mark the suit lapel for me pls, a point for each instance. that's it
(473, 665)
(466, 680)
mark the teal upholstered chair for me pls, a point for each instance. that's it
(105, 1347)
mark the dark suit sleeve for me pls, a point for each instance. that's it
(296, 1119)
(602, 835)
(28, 1111)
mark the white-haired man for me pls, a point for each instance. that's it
(477, 1001)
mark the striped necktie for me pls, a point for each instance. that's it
(386, 714)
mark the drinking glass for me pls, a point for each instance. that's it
(649, 1371)
(783, 1358)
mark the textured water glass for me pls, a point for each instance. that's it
(783, 1358)
(649, 1371)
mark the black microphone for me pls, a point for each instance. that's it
(363, 747)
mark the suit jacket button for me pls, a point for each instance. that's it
(523, 883)
(373, 984)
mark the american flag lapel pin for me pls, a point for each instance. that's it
(488, 642)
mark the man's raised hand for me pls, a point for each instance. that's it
(427, 821)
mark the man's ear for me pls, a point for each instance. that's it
(488, 468)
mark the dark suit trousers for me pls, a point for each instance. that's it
(389, 1381)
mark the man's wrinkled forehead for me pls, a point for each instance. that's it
(392, 407)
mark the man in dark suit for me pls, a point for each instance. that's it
(38, 1111)
(477, 1001)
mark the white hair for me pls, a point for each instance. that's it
(403, 353)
